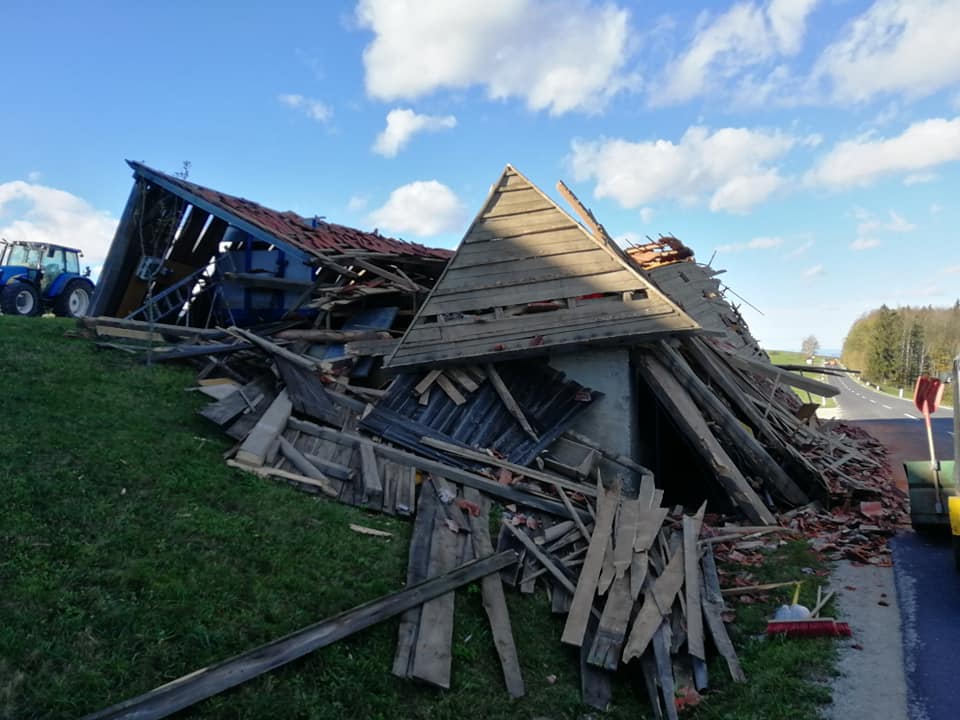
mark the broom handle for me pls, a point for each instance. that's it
(926, 419)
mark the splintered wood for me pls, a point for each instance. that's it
(646, 591)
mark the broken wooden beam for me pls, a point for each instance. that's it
(259, 442)
(201, 684)
(679, 405)
(773, 371)
(494, 600)
(732, 432)
(533, 474)
(273, 348)
(506, 397)
(582, 604)
(331, 336)
(464, 477)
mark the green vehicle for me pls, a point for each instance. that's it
(934, 485)
(41, 277)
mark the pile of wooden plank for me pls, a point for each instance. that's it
(632, 588)
(476, 415)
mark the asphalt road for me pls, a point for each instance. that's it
(859, 402)
(928, 588)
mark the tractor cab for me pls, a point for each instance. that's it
(40, 276)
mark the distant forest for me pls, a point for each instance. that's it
(893, 347)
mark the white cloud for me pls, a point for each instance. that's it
(758, 243)
(862, 243)
(34, 176)
(403, 124)
(556, 55)
(746, 35)
(801, 248)
(424, 208)
(923, 145)
(936, 209)
(313, 109)
(357, 202)
(896, 46)
(919, 178)
(38, 213)
(733, 166)
(813, 271)
(952, 270)
(896, 223)
(646, 215)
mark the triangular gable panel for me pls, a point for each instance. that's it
(528, 279)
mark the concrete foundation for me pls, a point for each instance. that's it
(612, 420)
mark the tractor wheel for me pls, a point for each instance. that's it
(74, 301)
(20, 298)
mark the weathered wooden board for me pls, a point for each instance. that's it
(596, 686)
(691, 584)
(494, 601)
(206, 682)
(491, 487)
(225, 411)
(712, 601)
(370, 473)
(307, 394)
(656, 606)
(255, 448)
(582, 604)
(535, 265)
(433, 652)
(612, 630)
(418, 562)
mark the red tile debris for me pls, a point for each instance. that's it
(307, 234)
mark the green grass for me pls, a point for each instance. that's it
(130, 555)
(786, 677)
(788, 357)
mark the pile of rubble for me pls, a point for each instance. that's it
(592, 392)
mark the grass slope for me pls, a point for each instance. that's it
(130, 555)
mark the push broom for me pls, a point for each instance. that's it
(797, 621)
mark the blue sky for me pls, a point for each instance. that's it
(812, 145)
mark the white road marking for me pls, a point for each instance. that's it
(887, 407)
(910, 416)
(874, 402)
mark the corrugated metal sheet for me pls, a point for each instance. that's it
(288, 227)
(549, 401)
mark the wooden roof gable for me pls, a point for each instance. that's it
(528, 279)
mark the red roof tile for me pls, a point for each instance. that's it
(288, 227)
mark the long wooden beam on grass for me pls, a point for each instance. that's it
(201, 684)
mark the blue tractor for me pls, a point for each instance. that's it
(38, 277)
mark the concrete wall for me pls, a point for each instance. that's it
(612, 420)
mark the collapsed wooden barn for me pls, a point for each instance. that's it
(187, 255)
(585, 388)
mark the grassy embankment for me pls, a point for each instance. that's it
(130, 555)
(787, 357)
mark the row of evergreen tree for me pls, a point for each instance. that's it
(894, 347)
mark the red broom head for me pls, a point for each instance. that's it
(813, 627)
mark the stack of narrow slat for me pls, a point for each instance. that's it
(452, 381)
(632, 588)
